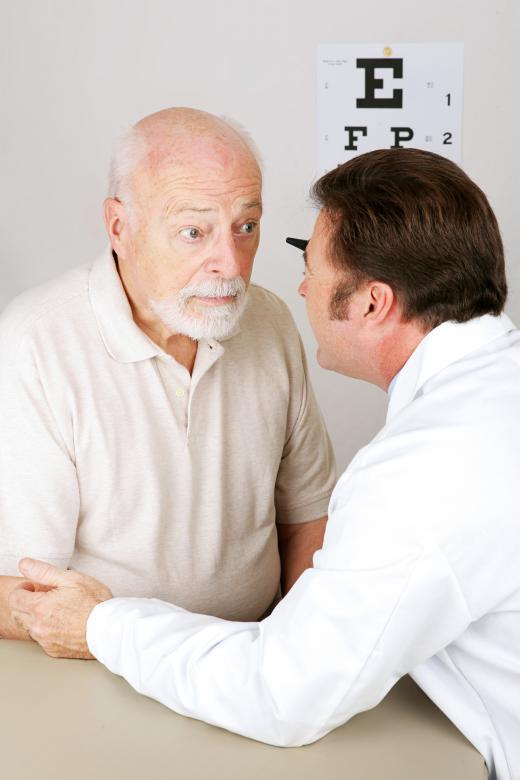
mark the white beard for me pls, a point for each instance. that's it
(207, 322)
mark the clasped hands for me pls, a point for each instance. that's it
(53, 606)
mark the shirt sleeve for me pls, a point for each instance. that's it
(39, 495)
(332, 648)
(307, 470)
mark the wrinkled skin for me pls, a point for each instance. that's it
(53, 606)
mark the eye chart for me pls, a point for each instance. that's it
(381, 96)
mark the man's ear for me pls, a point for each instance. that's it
(116, 222)
(379, 300)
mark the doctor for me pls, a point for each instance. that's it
(419, 572)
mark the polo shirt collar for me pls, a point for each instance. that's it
(123, 339)
(442, 346)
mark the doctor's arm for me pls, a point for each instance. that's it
(332, 648)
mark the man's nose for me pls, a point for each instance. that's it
(302, 288)
(225, 259)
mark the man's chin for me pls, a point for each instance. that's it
(201, 310)
(321, 358)
(199, 330)
(324, 360)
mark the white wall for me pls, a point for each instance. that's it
(74, 74)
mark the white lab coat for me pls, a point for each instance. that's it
(419, 573)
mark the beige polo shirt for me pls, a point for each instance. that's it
(115, 461)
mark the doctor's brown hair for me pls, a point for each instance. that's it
(416, 221)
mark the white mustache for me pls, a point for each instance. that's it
(213, 288)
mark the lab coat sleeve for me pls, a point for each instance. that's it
(332, 648)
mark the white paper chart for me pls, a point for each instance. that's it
(381, 96)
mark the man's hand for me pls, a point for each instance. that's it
(54, 606)
(9, 629)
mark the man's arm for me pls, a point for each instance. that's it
(304, 481)
(297, 543)
(39, 493)
(9, 629)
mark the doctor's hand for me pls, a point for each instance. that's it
(54, 607)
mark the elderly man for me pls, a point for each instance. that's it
(157, 421)
(405, 287)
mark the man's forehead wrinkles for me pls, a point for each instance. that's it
(177, 208)
(209, 182)
(203, 198)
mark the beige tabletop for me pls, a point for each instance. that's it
(73, 719)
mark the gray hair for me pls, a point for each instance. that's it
(130, 150)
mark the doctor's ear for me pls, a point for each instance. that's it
(379, 300)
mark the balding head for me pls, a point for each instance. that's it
(183, 219)
(171, 136)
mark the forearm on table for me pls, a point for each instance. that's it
(297, 544)
(8, 628)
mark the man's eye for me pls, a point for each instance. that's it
(190, 232)
(248, 227)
